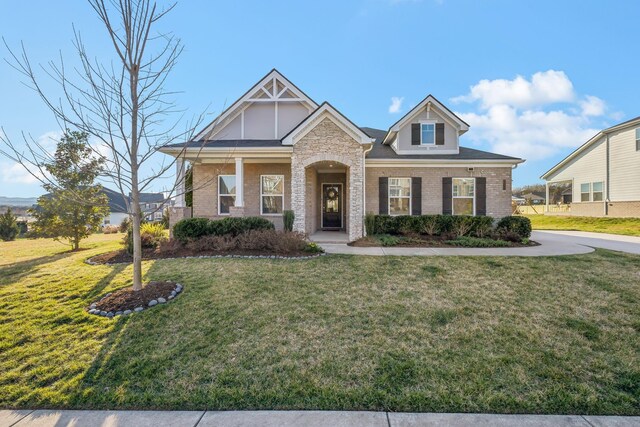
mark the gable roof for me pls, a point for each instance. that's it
(632, 122)
(464, 126)
(209, 130)
(382, 151)
(327, 110)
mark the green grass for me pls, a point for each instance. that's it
(453, 334)
(626, 226)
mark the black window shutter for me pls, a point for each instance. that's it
(416, 196)
(447, 195)
(481, 196)
(439, 133)
(383, 195)
(415, 133)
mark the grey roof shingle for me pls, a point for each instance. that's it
(380, 151)
(230, 143)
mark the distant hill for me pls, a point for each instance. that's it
(18, 201)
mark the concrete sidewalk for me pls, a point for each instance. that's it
(53, 418)
(552, 243)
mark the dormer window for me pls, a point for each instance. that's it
(427, 134)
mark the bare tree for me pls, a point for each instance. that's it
(122, 103)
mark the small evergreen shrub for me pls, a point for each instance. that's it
(287, 218)
(191, 228)
(151, 236)
(477, 242)
(389, 240)
(482, 226)
(518, 225)
(370, 224)
(430, 225)
(9, 229)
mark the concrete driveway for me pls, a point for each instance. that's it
(552, 243)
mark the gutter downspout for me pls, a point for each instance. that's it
(606, 200)
(364, 186)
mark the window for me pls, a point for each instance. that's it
(226, 193)
(638, 139)
(427, 133)
(271, 194)
(464, 196)
(597, 191)
(585, 192)
(399, 196)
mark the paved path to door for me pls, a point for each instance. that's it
(46, 418)
(552, 243)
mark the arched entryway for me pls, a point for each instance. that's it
(324, 196)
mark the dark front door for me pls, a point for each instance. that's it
(331, 205)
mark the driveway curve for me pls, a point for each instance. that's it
(552, 243)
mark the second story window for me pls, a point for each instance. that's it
(427, 133)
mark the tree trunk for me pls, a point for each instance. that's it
(137, 242)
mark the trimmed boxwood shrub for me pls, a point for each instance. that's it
(191, 228)
(518, 225)
(433, 225)
(195, 228)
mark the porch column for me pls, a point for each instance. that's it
(180, 187)
(239, 182)
(546, 202)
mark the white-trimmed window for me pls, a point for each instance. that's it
(399, 196)
(597, 191)
(226, 193)
(464, 200)
(638, 139)
(427, 133)
(585, 192)
(271, 194)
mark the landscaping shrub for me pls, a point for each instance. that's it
(385, 224)
(191, 228)
(151, 235)
(519, 225)
(287, 218)
(212, 244)
(460, 225)
(370, 224)
(477, 242)
(124, 225)
(482, 226)
(314, 248)
(236, 225)
(271, 241)
(110, 229)
(8, 226)
(430, 225)
(388, 240)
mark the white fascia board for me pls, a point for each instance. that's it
(443, 111)
(426, 163)
(425, 151)
(197, 153)
(326, 111)
(247, 96)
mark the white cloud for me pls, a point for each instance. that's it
(15, 173)
(396, 104)
(522, 117)
(545, 87)
(592, 106)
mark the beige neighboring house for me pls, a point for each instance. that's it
(276, 149)
(604, 173)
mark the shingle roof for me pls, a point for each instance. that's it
(230, 143)
(151, 197)
(380, 151)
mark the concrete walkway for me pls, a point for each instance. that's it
(52, 418)
(552, 243)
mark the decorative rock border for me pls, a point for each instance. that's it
(110, 314)
(291, 258)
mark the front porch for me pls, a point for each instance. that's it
(322, 236)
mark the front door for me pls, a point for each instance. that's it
(331, 205)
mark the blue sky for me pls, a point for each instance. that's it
(534, 79)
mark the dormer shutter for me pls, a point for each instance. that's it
(439, 133)
(415, 133)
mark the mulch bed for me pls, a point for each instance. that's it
(428, 242)
(122, 256)
(128, 299)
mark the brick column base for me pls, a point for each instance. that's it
(175, 215)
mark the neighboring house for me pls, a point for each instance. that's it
(153, 205)
(117, 208)
(604, 173)
(534, 198)
(276, 149)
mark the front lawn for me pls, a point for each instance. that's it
(626, 226)
(447, 334)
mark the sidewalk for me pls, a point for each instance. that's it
(52, 418)
(552, 243)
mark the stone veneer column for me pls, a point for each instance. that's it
(298, 193)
